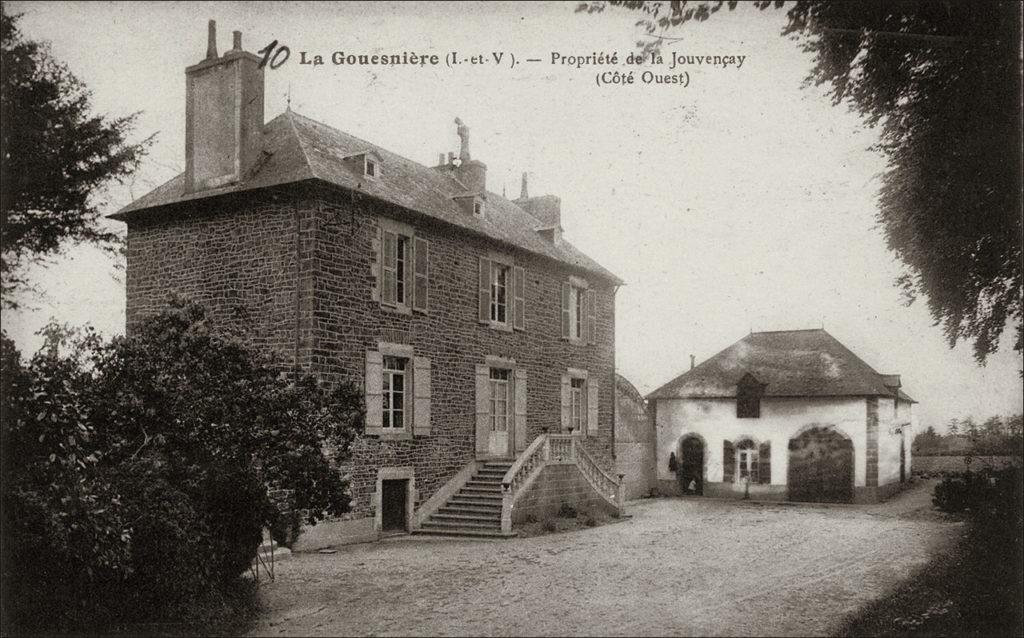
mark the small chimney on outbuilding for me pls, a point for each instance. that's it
(693, 362)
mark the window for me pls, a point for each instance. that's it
(397, 253)
(579, 311)
(576, 304)
(747, 462)
(577, 399)
(748, 397)
(401, 254)
(499, 293)
(478, 208)
(500, 398)
(502, 293)
(371, 168)
(402, 268)
(394, 380)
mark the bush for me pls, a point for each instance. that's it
(136, 471)
(549, 525)
(567, 510)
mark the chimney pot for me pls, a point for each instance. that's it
(236, 40)
(693, 360)
(524, 192)
(440, 159)
(211, 40)
(451, 157)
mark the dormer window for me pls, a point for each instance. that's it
(471, 203)
(748, 397)
(367, 164)
(478, 208)
(370, 168)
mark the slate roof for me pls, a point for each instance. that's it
(297, 148)
(791, 363)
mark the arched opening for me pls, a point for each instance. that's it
(820, 466)
(691, 464)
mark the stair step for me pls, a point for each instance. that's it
(432, 524)
(488, 483)
(490, 495)
(490, 506)
(470, 508)
(443, 515)
(480, 533)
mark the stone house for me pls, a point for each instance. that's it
(483, 340)
(791, 415)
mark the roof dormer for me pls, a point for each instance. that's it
(472, 203)
(367, 164)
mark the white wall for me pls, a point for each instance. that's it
(781, 419)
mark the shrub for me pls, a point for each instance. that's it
(134, 484)
(530, 518)
(589, 521)
(567, 510)
(549, 525)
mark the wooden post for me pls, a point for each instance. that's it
(618, 491)
(506, 508)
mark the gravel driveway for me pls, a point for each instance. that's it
(678, 566)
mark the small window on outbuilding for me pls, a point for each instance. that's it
(478, 208)
(371, 168)
(748, 397)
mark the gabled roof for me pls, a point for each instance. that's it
(296, 148)
(790, 363)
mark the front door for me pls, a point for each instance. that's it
(820, 467)
(393, 505)
(498, 441)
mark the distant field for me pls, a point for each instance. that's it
(931, 464)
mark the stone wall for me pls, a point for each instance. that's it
(557, 484)
(634, 442)
(296, 276)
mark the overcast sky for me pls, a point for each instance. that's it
(740, 202)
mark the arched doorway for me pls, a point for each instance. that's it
(691, 467)
(820, 466)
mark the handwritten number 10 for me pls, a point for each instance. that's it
(273, 59)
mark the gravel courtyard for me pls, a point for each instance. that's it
(678, 567)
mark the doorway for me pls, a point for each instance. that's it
(820, 467)
(394, 493)
(691, 469)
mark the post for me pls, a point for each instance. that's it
(618, 491)
(506, 508)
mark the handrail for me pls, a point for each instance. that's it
(598, 478)
(509, 477)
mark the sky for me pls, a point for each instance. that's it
(742, 201)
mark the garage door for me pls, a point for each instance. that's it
(820, 467)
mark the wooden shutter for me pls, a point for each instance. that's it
(376, 263)
(591, 406)
(566, 401)
(483, 425)
(764, 463)
(728, 461)
(409, 273)
(374, 391)
(520, 390)
(484, 311)
(566, 291)
(421, 396)
(591, 316)
(519, 295)
(421, 289)
(389, 288)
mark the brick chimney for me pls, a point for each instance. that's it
(546, 209)
(223, 115)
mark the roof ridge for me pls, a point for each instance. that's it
(769, 332)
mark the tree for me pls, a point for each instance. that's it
(137, 471)
(56, 154)
(942, 82)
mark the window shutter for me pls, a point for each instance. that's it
(520, 389)
(484, 314)
(566, 402)
(566, 291)
(410, 273)
(376, 263)
(591, 406)
(591, 316)
(728, 461)
(374, 390)
(421, 396)
(389, 288)
(764, 463)
(519, 289)
(483, 426)
(422, 265)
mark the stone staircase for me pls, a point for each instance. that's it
(475, 510)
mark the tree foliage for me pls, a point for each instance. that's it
(55, 155)
(136, 471)
(941, 79)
